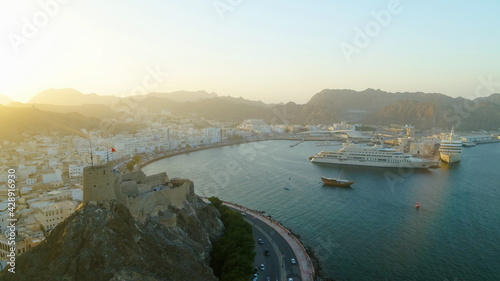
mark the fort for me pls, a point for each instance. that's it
(143, 195)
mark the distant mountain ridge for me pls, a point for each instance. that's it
(88, 110)
(17, 123)
(184, 96)
(370, 106)
(69, 96)
(377, 107)
(4, 100)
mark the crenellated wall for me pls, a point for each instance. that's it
(98, 183)
(152, 203)
(143, 195)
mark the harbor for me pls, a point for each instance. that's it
(449, 234)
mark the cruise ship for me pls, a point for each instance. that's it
(450, 149)
(372, 156)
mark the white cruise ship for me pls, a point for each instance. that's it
(450, 149)
(373, 156)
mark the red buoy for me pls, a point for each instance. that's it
(417, 205)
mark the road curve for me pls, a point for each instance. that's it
(303, 259)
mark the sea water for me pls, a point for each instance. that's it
(371, 231)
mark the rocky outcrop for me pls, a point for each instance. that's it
(103, 241)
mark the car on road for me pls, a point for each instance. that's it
(290, 279)
(293, 261)
(255, 276)
(266, 252)
(262, 267)
(260, 241)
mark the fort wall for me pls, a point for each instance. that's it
(152, 203)
(98, 183)
(143, 195)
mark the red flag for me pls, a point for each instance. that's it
(113, 150)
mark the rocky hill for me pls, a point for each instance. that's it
(382, 108)
(88, 110)
(69, 96)
(369, 106)
(103, 241)
(184, 96)
(5, 100)
(17, 123)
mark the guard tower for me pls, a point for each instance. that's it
(98, 183)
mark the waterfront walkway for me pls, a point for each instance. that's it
(303, 259)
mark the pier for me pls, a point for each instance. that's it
(295, 144)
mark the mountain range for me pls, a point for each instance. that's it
(4, 100)
(370, 107)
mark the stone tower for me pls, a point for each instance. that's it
(99, 183)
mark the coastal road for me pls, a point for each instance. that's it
(278, 266)
(282, 246)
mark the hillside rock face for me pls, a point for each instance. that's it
(103, 241)
(376, 107)
(69, 96)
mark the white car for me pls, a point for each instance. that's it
(290, 279)
(293, 261)
(262, 267)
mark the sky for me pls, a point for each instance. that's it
(274, 51)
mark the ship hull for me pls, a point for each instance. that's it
(450, 157)
(415, 165)
(450, 150)
(335, 182)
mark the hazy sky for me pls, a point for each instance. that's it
(272, 51)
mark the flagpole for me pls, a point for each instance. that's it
(91, 155)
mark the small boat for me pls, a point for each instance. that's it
(337, 181)
(468, 144)
(417, 205)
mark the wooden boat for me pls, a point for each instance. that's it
(337, 181)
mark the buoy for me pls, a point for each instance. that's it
(417, 205)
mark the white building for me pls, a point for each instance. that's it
(476, 138)
(23, 244)
(53, 178)
(213, 134)
(50, 216)
(77, 194)
(75, 171)
(30, 181)
(4, 215)
(57, 195)
(279, 129)
(255, 125)
(24, 171)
